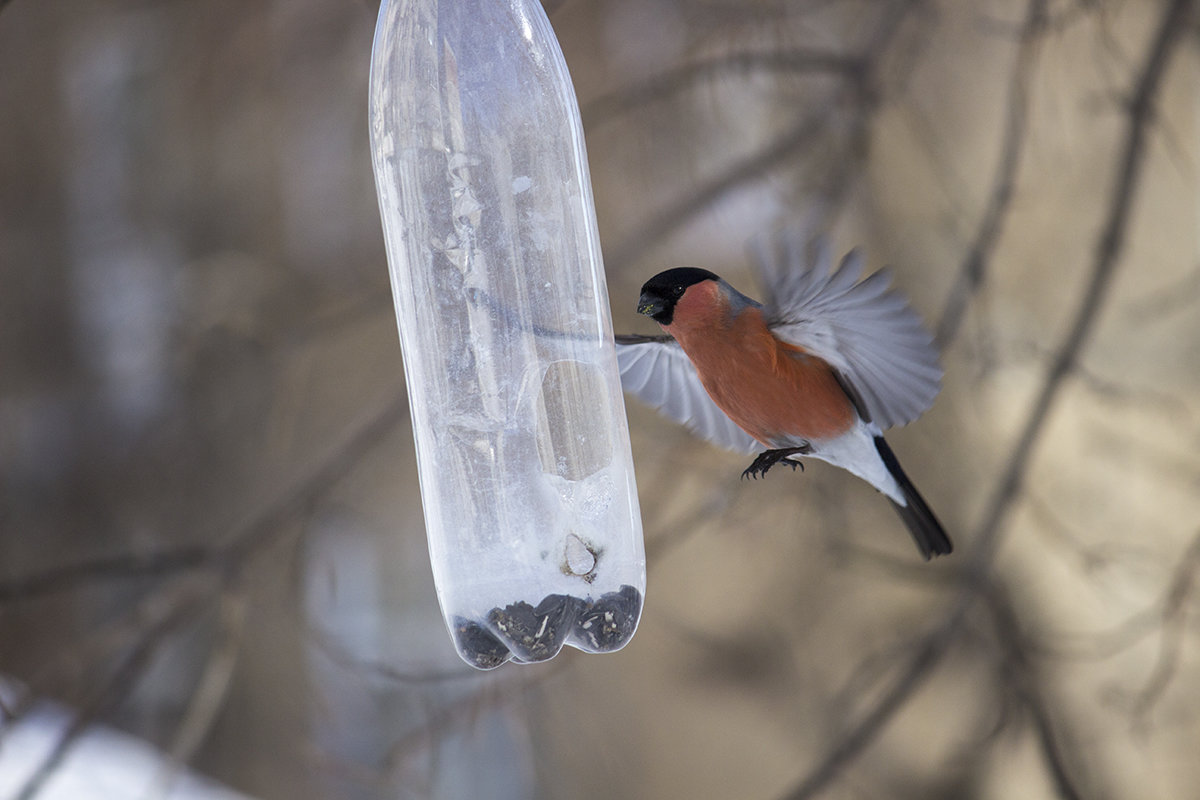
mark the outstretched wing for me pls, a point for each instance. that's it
(866, 331)
(658, 372)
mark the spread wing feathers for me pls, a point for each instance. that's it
(867, 332)
(659, 373)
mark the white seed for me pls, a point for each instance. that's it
(580, 560)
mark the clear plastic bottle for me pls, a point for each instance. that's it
(522, 445)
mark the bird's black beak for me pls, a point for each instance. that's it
(650, 305)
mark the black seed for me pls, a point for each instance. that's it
(478, 645)
(535, 634)
(606, 624)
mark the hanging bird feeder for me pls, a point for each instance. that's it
(522, 447)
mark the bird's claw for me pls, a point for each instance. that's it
(769, 458)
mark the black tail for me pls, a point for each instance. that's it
(922, 524)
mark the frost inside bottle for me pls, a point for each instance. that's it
(522, 446)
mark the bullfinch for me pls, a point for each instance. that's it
(819, 370)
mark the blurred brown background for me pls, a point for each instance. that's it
(210, 531)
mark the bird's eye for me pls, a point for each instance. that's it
(678, 291)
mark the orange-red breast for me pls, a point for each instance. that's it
(820, 370)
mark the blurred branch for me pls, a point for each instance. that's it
(328, 324)
(1174, 627)
(1108, 251)
(1166, 611)
(1023, 678)
(253, 533)
(109, 693)
(973, 270)
(676, 531)
(494, 693)
(1113, 391)
(260, 527)
(74, 667)
(660, 87)
(1088, 557)
(987, 539)
(125, 566)
(861, 93)
(747, 169)
(211, 690)
(864, 731)
(257, 531)
(1167, 301)
(337, 655)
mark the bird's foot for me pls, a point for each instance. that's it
(769, 458)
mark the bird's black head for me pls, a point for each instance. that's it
(662, 292)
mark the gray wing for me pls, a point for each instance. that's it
(660, 374)
(867, 332)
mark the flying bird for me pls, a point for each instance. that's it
(819, 370)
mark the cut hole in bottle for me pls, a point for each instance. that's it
(572, 443)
